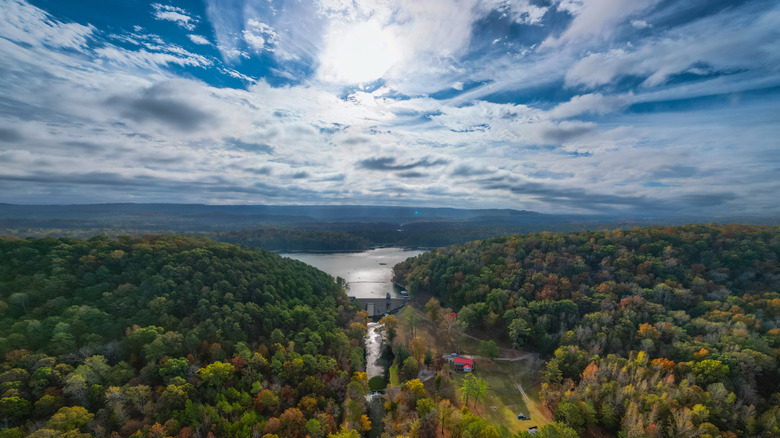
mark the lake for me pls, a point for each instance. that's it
(368, 274)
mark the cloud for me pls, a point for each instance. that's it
(594, 103)
(467, 171)
(389, 163)
(250, 147)
(742, 40)
(177, 15)
(300, 175)
(259, 36)
(565, 131)
(675, 171)
(658, 184)
(392, 38)
(105, 115)
(260, 171)
(23, 23)
(596, 20)
(10, 135)
(152, 60)
(198, 39)
(412, 174)
(588, 200)
(707, 199)
(521, 11)
(160, 104)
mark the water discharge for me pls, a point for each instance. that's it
(374, 349)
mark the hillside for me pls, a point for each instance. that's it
(170, 336)
(657, 331)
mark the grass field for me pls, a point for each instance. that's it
(394, 380)
(503, 401)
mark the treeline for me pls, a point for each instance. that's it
(280, 239)
(366, 236)
(319, 236)
(663, 331)
(173, 336)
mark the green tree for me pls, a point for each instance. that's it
(70, 418)
(569, 414)
(216, 374)
(473, 389)
(488, 349)
(519, 331)
(314, 427)
(433, 309)
(13, 409)
(410, 368)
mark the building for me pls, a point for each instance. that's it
(463, 364)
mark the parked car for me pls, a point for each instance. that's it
(523, 417)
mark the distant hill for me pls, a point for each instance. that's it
(316, 227)
(197, 217)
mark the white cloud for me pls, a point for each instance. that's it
(742, 42)
(521, 11)
(594, 103)
(144, 59)
(23, 23)
(595, 20)
(177, 15)
(237, 75)
(198, 39)
(423, 37)
(118, 124)
(259, 36)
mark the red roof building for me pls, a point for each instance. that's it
(463, 364)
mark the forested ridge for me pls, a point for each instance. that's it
(651, 332)
(173, 336)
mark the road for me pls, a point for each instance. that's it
(537, 417)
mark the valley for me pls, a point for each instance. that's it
(600, 333)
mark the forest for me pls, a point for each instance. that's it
(650, 332)
(173, 336)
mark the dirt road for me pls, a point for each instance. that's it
(537, 417)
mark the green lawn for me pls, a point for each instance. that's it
(394, 380)
(503, 401)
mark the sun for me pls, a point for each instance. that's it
(357, 53)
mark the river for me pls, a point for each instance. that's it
(368, 274)
(373, 349)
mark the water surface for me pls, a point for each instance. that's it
(368, 274)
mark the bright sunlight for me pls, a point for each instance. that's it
(357, 53)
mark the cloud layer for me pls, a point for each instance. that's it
(603, 106)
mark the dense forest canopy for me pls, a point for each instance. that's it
(162, 336)
(663, 331)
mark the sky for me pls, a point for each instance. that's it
(647, 107)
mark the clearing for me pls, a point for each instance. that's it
(513, 380)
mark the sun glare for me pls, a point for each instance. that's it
(357, 53)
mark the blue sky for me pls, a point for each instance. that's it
(647, 107)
